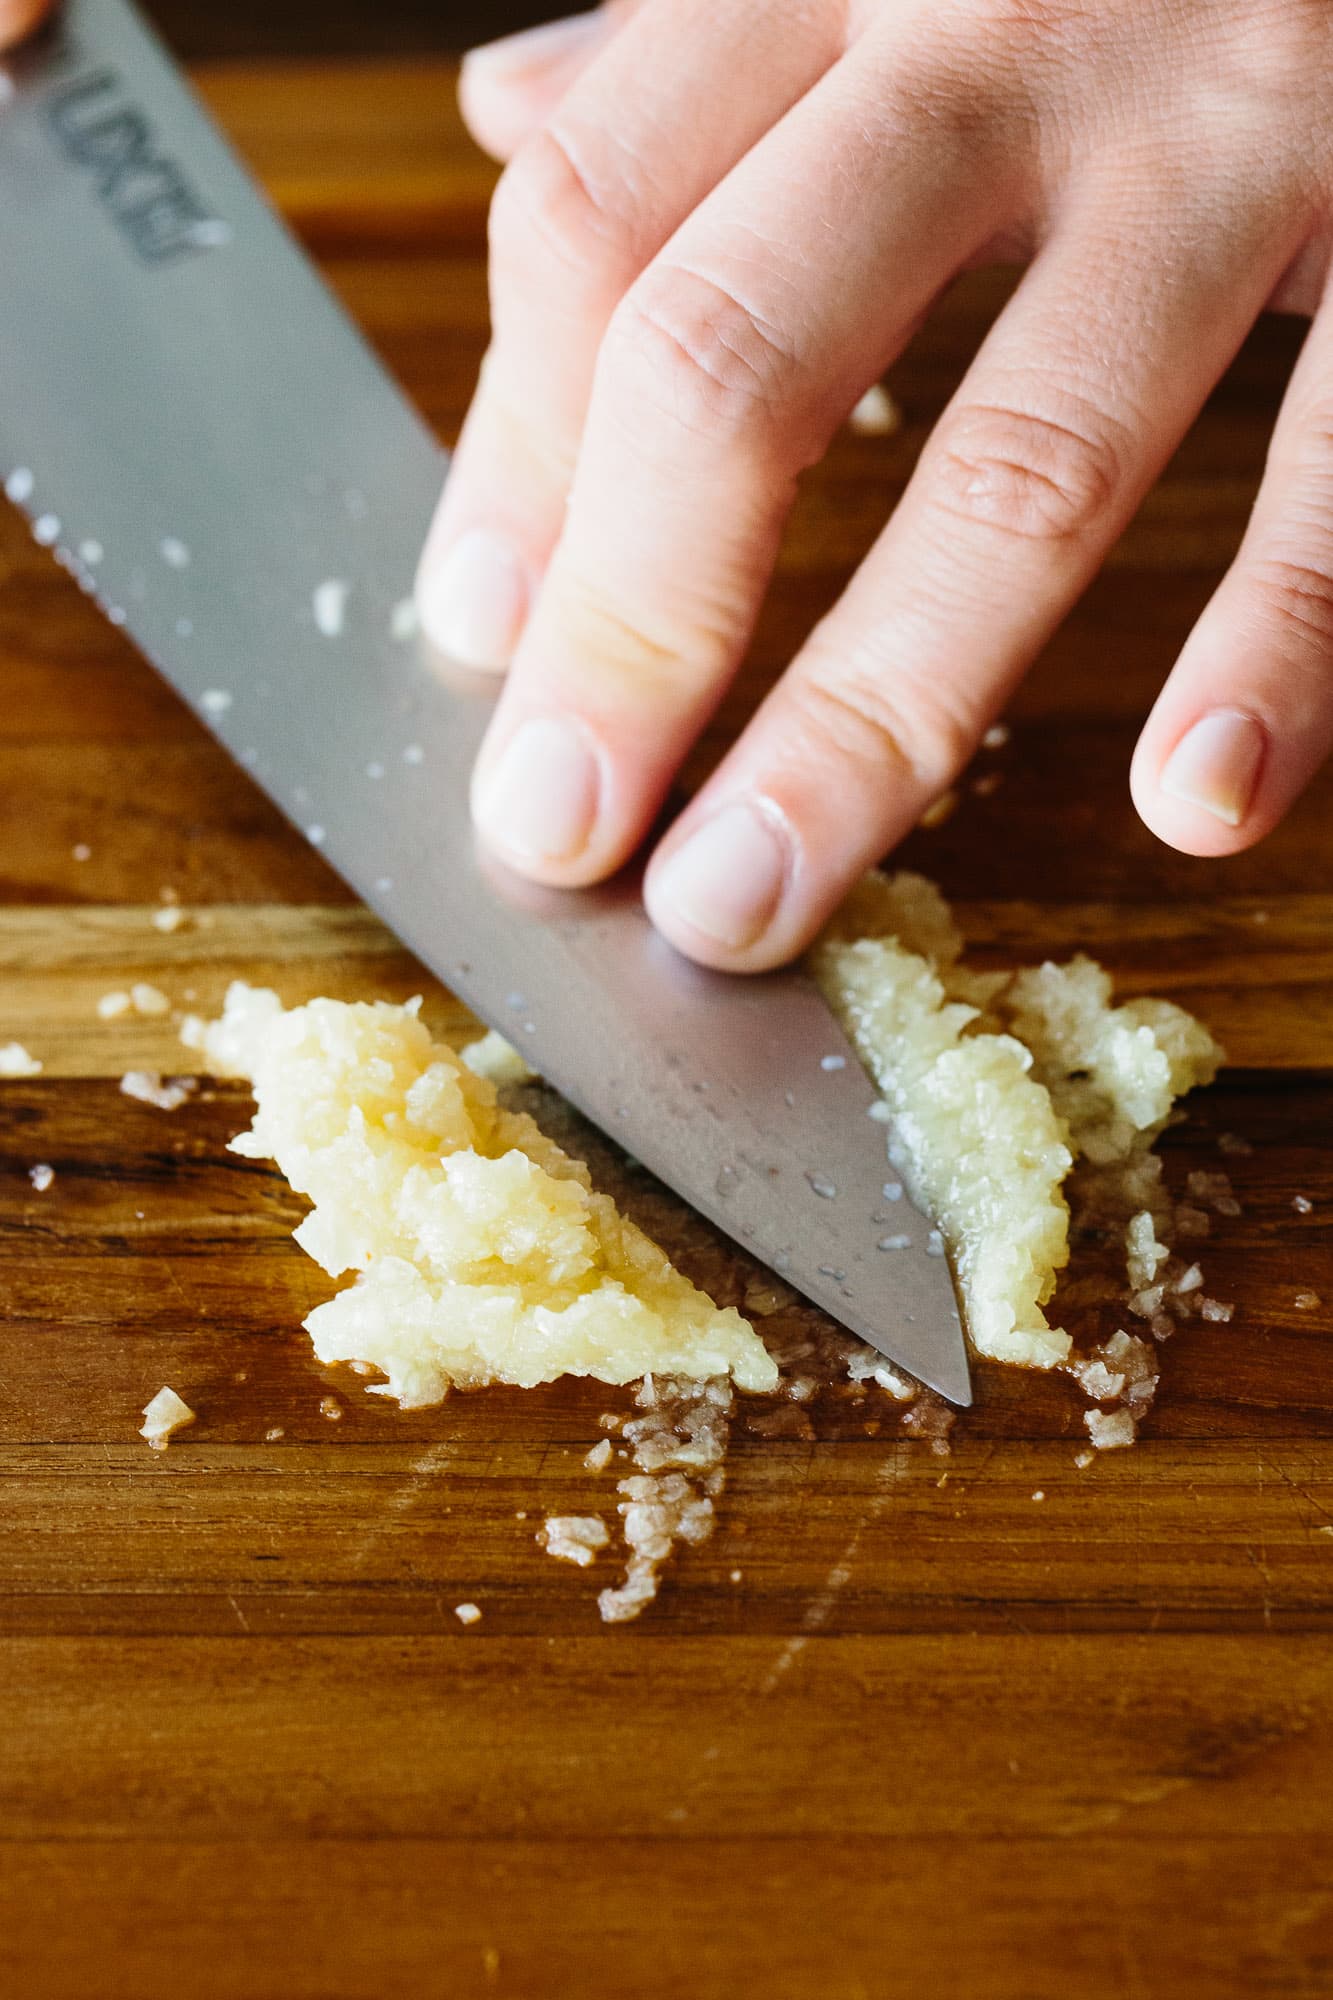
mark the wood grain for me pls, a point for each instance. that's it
(901, 1725)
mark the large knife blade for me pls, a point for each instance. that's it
(208, 445)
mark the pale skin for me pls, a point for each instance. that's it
(719, 222)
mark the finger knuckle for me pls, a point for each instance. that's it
(868, 715)
(708, 358)
(1035, 477)
(549, 217)
(1295, 595)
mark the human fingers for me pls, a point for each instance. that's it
(723, 375)
(656, 121)
(1246, 717)
(506, 89)
(1083, 387)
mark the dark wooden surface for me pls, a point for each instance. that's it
(940, 1737)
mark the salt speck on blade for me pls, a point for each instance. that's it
(91, 552)
(46, 530)
(19, 485)
(173, 552)
(894, 1243)
(934, 1244)
(833, 1062)
(316, 835)
(215, 701)
(414, 754)
(210, 233)
(329, 603)
(403, 620)
(822, 1186)
(374, 770)
(383, 884)
(892, 1190)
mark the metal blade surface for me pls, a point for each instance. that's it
(209, 446)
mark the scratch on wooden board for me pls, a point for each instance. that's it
(422, 1469)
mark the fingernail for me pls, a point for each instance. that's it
(726, 881)
(1216, 764)
(473, 602)
(534, 48)
(540, 800)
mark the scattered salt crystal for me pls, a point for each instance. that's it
(91, 552)
(882, 1113)
(403, 620)
(1161, 1326)
(147, 1087)
(1109, 1430)
(934, 1244)
(573, 1537)
(46, 530)
(1214, 1309)
(609, 1421)
(1189, 1281)
(167, 1412)
(374, 769)
(1233, 1144)
(81, 851)
(876, 414)
(1214, 1191)
(822, 1186)
(493, 1057)
(833, 1062)
(414, 754)
(272, 1436)
(1039, 1495)
(19, 485)
(892, 1190)
(467, 1614)
(1095, 1379)
(894, 1243)
(146, 999)
(599, 1457)
(1302, 1204)
(174, 552)
(316, 835)
(996, 736)
(938, 811)
(216, 701)
(1307, 1301)
(41, 1176)
(1083, 1459)
(329, 603)
(16, 1062)
(330, 1407)
(169, 919)
(736, 1575)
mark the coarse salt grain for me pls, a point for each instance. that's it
(170, 918)
(147, 1087)
(1302, 1204)
(1215, 1309)
(272, 1436)
(996, 736)
(149, 1000)
(876, 414)
(330, 1407)
(1307, 1301)
(1083, 1459)
(16, 1062)
(599, 1457)
(81, 851)
(467, 1614)
(1109, 1430)
(167, 1412)
(41, 1176)
(573, 1537)
(112, 1005)
(215, 702)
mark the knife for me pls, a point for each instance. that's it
(206, 443)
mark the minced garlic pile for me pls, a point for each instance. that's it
(482, 1253)
(997, 1083)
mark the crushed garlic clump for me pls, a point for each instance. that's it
(482, 1252)
(998, 1083)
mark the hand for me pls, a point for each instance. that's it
(721, 222)
(19, 17)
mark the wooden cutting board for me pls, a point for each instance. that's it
(904, 1724)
